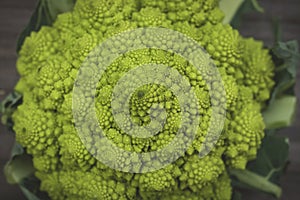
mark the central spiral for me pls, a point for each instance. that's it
(141, 99)
(151, 100)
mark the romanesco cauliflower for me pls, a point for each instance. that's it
(49, 62)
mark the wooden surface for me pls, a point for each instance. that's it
(14, 14)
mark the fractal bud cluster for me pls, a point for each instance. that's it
(50, 60)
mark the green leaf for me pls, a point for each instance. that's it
(272, 158)
(263, 174)
(230, 8)
(286, 57)
(8, 106)
(246, 7)
(19, 170)
(45, 13)
(280, 113)
(56, 7)
(19, 166)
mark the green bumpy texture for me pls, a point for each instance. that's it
(48, 65)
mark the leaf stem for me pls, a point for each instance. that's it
(257, 6)
(256, 181)
(270, 174)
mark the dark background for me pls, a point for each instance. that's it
(14, 15)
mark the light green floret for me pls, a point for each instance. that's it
(49, 63)
(196, 12)
(198, 172)
(245, 133)
(45, 163)
(258, 69)
(74, 152)
(101, 14)
(150, 17)
(232, 92)
(219, 190)
(77, 185)
(37, 48)
(35, 128)
(152, 183)
(222, 42)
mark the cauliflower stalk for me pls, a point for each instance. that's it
(49, 62)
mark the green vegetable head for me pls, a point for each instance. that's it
(54, 122)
